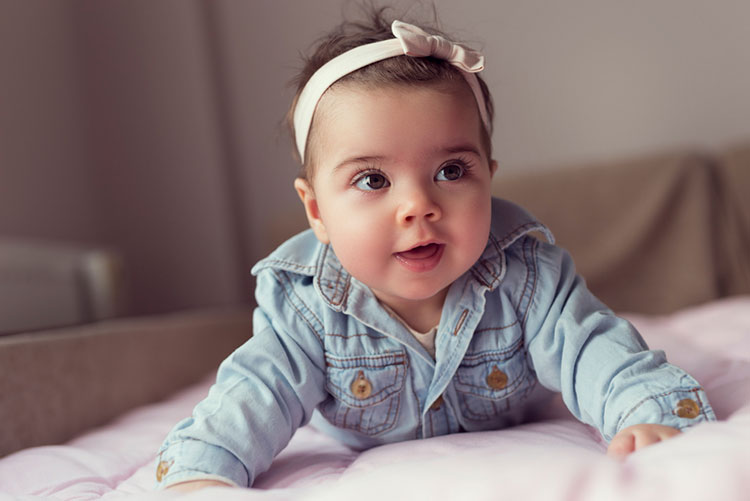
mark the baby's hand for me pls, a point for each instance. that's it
(194, 485)
(634, 437)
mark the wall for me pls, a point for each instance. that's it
(45, 176)
(156, 127)
(109, 136)
(573, 82)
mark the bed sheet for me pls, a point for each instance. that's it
(556, 458)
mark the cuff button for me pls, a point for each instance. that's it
(688, 409)
(162, 469)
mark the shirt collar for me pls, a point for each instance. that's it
(304, 254)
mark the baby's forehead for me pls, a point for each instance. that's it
(406, 122)
(346, 96)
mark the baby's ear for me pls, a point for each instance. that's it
(306, 194)
(493, 167)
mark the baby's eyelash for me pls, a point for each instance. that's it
(466, 162)
(364, 171)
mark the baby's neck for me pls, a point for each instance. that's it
(420, 315)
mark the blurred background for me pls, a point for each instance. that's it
(142, 148)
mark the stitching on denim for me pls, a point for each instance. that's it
(394, 386)
(299, 298)
(366, 334)
(476, 271)
(322, 267)
(279, 278)
(693, 390)
(489, 394)
(496, 328)
(460, 322)
(488, 269)
(390, 416)
(290, 264)
(288, 289)
(525, 282)
(398, 356)
(492, 355)
(517, 396)
(419, 411)
(479, 278)
(534, 245)
(496, 244)
(345, 292)
(509, 237)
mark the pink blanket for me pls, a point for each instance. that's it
(556, 458)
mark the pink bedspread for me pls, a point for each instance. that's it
(557, 458)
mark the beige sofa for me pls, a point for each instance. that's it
(650, 235)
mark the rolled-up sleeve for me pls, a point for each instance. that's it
(600, 364)
(264, 391)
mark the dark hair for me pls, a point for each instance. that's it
(400, 70)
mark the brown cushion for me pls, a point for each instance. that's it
(734, 217)
(639, 231)
(56, 384)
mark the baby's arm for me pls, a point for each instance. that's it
(264, 391)
(634, 437)
(607, 375)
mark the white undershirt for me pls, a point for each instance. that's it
(426, 339)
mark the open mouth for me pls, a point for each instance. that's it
(422, 257)
(421, 252)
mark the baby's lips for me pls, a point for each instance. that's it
(421, 252)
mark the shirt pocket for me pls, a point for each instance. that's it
(365, 390)
(490, 382)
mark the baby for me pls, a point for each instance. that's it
(417, 305)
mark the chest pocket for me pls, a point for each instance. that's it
(365, 391)
(490, 382)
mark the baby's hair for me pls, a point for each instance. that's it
(400, 70)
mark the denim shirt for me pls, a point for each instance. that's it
(520, 323)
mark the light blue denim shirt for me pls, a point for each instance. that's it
(518, 324)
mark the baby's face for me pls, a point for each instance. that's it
(401, 187)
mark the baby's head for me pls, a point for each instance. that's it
(396, 158)
(402, 71)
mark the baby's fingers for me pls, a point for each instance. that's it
(638, 436)
(622, 444)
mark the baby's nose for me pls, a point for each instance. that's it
(417, 207)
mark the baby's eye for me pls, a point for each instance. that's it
(371, 182)
(450, 172)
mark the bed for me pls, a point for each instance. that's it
(679, 258)
(555, 457)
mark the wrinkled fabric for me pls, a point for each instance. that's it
(517, 326)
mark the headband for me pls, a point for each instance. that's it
(411, 41)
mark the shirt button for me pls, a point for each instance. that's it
(437, 404)
(497, 380)
(361, 386)
(688, 408)
(162, 469)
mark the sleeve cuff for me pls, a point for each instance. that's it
(680, 409)
(195, 460)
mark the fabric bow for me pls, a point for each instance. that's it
(418, 43)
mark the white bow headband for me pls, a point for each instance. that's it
(411, 41)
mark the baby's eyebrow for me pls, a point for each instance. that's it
(359, 160)
(462, 148)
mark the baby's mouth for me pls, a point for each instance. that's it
(420, 252)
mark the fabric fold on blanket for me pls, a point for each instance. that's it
(553, 458)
